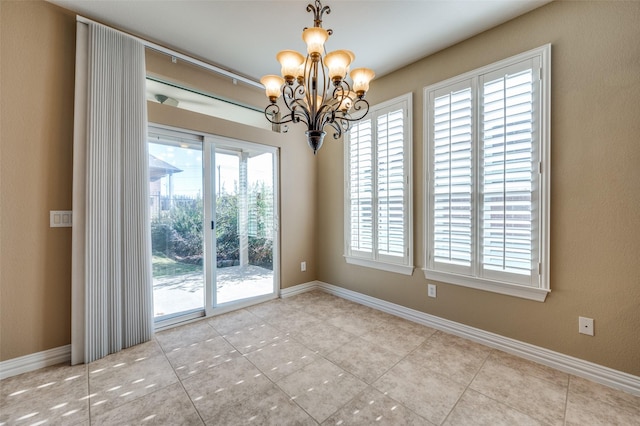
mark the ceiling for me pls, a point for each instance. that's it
(244, 36)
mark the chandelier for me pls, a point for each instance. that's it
(314, 89)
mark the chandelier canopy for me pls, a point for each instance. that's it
(315, 89)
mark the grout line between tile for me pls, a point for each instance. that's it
(276, 384)
(180, 380)
(505, 403)
(566, 400)
(466, 388)
(86, 369)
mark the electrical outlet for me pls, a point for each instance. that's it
(431, 290)
(303, 266)
(585, 325)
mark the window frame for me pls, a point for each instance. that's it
(374, 259)
(540, 226)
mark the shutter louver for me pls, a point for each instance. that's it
(361, 187)
(390, 157)
(507, 147)
(452, 178)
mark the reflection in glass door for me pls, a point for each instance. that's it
(245, 231)
(176, 179)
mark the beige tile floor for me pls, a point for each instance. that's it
(307, 360)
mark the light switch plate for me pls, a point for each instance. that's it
(60, 218)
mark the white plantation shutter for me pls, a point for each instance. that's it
(487, 143)
(508, 179)
(452, 178)
(378, 225)
(361, 187)
(391, 217)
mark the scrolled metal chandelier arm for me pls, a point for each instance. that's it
(318, 10)
(314, 89)
(341, 119)
(294, 101)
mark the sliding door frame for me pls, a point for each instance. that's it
(209, 144)
(213, 142)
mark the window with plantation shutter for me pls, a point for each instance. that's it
(487, 193)
(378, 223)
(361, 188)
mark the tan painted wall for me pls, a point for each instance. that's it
(595, 219)
(36, 134)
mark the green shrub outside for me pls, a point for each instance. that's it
(177, 234)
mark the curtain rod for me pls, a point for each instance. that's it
(179, 55)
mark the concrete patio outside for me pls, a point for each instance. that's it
(179, 293)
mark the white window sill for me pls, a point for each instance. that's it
(531, 293)
(384, 266)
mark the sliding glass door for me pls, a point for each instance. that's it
(177, 231)
(213, 223)
(245, 223)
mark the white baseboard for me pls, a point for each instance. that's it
(578, 367)
(24, 364)
(300, 288)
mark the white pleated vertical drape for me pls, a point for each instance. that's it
(111, 260)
